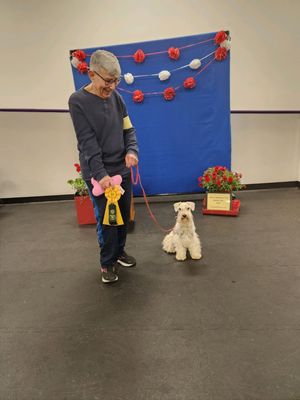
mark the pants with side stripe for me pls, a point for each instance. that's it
(111, 239)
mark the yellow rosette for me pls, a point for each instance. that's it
(112, 215)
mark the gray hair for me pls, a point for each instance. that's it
(106, 60)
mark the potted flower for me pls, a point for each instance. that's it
(83, 204)
(220, 183)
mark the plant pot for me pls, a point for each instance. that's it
(233, 211)
(84, 210)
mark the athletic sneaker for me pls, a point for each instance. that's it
(126, 260)
(108, 276)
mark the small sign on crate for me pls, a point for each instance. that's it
(220, 204)
(219, 201)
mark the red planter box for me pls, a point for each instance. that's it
(233, 212)
(84, 210)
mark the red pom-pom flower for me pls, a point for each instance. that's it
(169, 93)
(80, 54)
(220, 37)
(220, 53)
(82, 67)
(174, 53)
(138, 96)
(139, 56)
(189, 83)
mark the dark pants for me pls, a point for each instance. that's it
(111, 238)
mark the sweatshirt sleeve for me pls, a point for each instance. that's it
(87, 141)
(130, 140)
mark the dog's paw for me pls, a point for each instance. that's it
(196, 256)
(168, 249)
(180, 257)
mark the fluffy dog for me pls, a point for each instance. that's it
(183, 237)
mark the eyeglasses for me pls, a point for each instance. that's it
(109, 82)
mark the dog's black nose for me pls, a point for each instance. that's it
(183, 215)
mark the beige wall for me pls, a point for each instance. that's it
(36, 36)
(266, 148)
(38, 150)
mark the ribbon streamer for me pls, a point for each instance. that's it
(112, 215)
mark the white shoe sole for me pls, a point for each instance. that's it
(126, 264)
(108, 281)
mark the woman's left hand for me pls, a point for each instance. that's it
(131, 160)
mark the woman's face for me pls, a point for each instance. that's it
(103, 83)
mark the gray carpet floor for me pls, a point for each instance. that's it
(226, 327)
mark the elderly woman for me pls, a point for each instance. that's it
(107, 146)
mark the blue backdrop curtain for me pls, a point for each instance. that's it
(181, 138)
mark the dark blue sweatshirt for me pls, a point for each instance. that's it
(104, 134)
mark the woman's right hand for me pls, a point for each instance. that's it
(105, 182)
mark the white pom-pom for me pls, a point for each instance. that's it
(195, 64)
(129, 78)
(164, 75)
(226, 44)
(75, 62)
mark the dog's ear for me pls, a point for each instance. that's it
(191, 204)
(176, 206)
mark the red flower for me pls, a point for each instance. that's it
(220, 53)
(139, 56)
(220, 179)
(138, 96)
(169, 93)
(77, 166)
(80, 54)
(174, 53)
(189, 83)
(220, 37)
(200, 179)
(82, 67)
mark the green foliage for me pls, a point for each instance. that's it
(78, 184)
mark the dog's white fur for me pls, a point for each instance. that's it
(183, 237)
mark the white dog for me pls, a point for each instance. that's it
(183, 237)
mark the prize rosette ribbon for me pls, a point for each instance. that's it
(112, 215)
